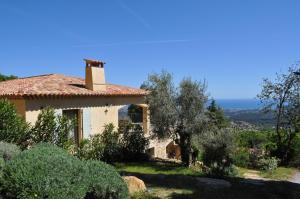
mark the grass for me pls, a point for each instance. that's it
(157, 168)
(241, 171)
(172, 181)
(281, 173)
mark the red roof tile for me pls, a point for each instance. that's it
(60, 85)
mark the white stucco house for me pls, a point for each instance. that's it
(92, 100)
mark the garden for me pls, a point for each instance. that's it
(43, 161)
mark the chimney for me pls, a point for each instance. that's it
(94, 75)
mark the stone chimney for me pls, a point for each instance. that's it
(94, 75)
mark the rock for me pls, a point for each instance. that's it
(134, 184)
(214, 183)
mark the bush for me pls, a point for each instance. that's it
(52, 129)
(241, 157)
(268, 164)
(134, 143)
(105, 146)
(105, 182)
(8, 151)
(111, 144)
(45, 171)
(252, 139)
(13, 128)
(217, 149)
(255, 156)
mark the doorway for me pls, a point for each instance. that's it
(75, 132)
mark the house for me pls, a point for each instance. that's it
(92, 101)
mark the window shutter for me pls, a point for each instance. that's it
(86, 117)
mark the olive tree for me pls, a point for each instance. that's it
(282, 97)
(176, 112)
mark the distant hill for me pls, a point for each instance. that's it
(242, 112)
(254, 117)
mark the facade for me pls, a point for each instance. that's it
(92, 101)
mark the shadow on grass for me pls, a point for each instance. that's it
(240, 188)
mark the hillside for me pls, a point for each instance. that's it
(251, 116)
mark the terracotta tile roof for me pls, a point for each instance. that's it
(60, 85)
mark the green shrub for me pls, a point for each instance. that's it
(252, 139)
(105, 182)
(45, 171)
(112, 146)
(52, 128)
(217, 152)
(134, 143)
(241, 157)
(13, 128)
(105, 146)
(83, 150)
(295, 160)
(268, 164)
(8, 151)
(111, 142)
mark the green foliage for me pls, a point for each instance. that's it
(104, 146)
(8, 151)
(45, 171)
(253, 139)
(105, 182)
(51, 128)
(110, 139)
(134, 143)
(13, 128)
(135, 113)
(253, 146)
(282, 97)
(216, 115)
(161, 100)
(269, 164)
(295, 161)
(95, 148)
(112, 146)
(217, 148)
(84, 150)
(5, 77)
(178, 113)
(241, 157)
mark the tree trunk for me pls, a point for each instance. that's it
(186, 150)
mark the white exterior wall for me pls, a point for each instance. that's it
(96, 111)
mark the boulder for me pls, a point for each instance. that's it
(134, 184)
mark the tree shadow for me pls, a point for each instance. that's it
(240, 188)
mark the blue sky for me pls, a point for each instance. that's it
(232, 44)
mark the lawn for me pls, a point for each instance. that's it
(164, 168)
(280, 173)
(169, 180)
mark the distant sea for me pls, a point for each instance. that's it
(239, 104)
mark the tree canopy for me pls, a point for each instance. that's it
(282, 97)
(5, 77)
(176, 112)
